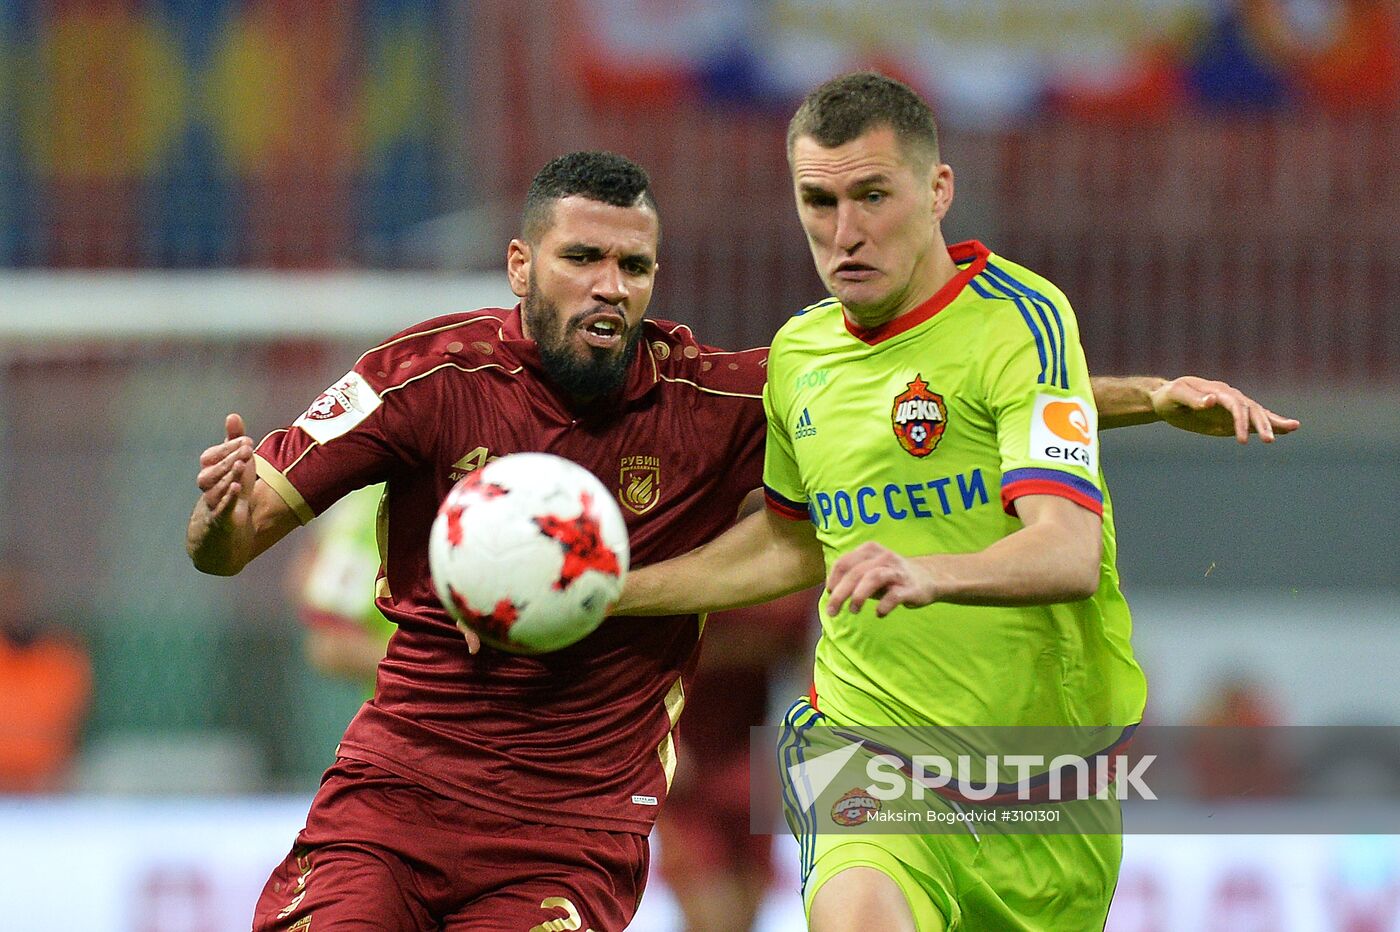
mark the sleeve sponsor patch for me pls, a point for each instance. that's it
(339, 409)
(1064, 431)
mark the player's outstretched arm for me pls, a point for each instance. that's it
(760, 558)
(1053, 558)
(1189, 402)
(236, 517)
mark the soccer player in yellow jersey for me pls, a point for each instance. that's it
(932, 452)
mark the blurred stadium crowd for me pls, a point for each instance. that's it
(1212, 182)
(1229, 159)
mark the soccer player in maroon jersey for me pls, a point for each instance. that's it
(491, 790)
(484, 790)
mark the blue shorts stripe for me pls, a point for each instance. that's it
(791, 745)
(788, 754)
(787, 742)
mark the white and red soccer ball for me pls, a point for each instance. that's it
(530, 552)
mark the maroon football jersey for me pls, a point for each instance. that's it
(584, 736)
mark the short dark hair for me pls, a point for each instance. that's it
(846, 107)
(598, 176)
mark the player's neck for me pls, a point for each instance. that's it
(935, 270)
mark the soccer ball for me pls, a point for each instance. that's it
(530, 552)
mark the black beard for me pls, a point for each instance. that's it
(596, 375)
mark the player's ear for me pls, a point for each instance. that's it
(942, 190)
(518, 258)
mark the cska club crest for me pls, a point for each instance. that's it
(855, 808)
(919, 417)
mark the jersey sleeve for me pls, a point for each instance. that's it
(742, 375)
(1036, 385)
(782, 485)
(355, 433)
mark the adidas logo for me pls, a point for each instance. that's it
(804, 425)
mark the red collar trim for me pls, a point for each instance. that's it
(959, 252)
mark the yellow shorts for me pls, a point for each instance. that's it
(1015, 883)
(929, 899)
(990, 878)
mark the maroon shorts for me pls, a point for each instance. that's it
(380, 852)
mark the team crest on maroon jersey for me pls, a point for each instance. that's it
(339, 409)
(333, 402)
(919, 417)
(639, 485)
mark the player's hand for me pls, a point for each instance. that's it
(227, 475)
(873, 571)
(473, 641)
(1204, 406)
